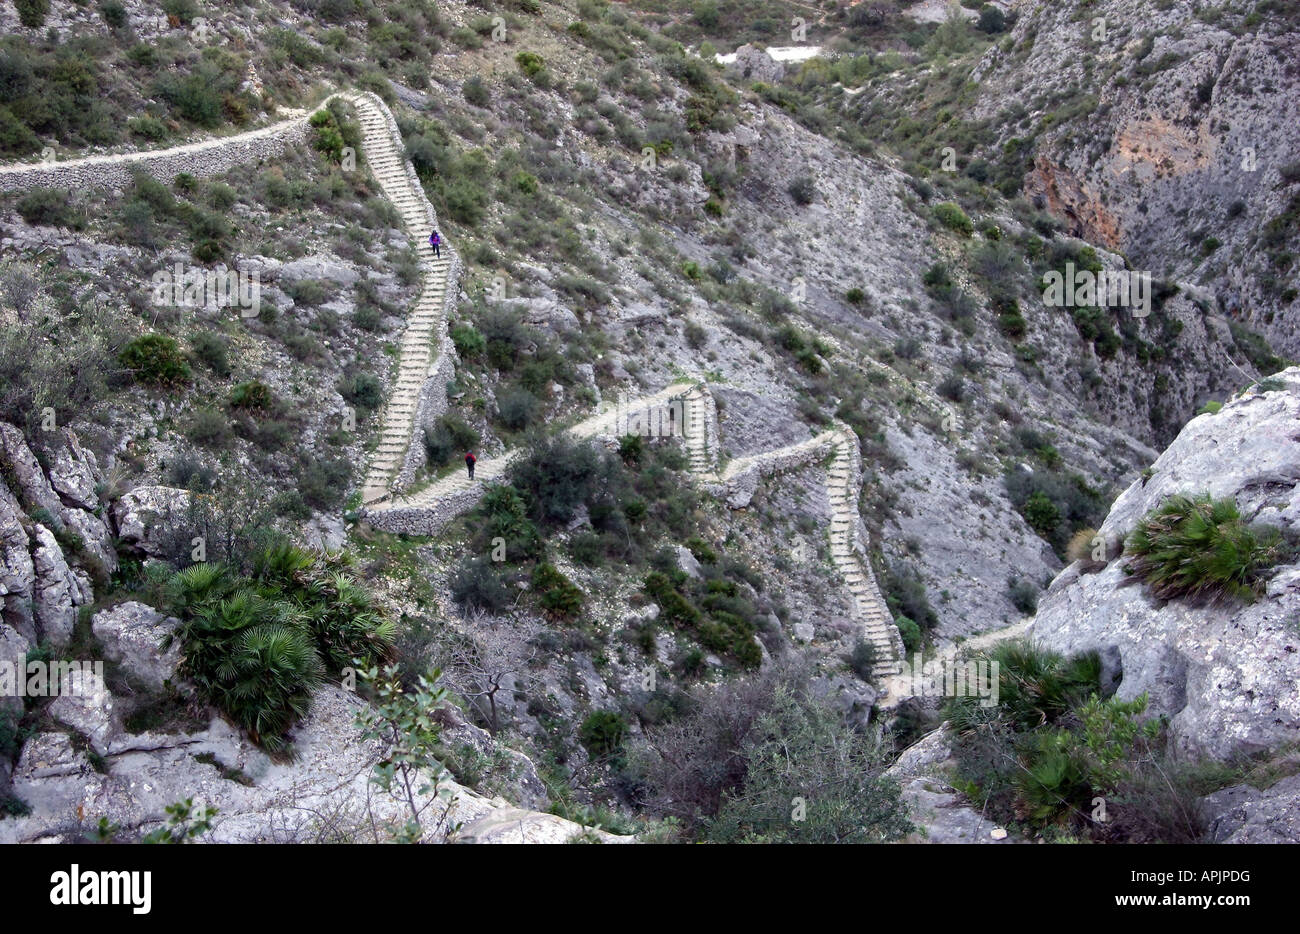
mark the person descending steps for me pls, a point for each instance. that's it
(435, 241)
(470, 459)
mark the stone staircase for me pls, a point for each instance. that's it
(701, 435)
(425, 342)
(843, 481)
(426, 359)
(427, 511)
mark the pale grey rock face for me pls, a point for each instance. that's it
(25, 471)
(323, 794)
(318, 267)
(325, 533)
(933, 805)
(57, 591)
(17, 573)
(524, 786)
(756, 65)
(1228, 675)
(1243, 814)
(40, 583)
(73, 471)
(139, 512)
(85, 704)
(131, 634)
(686, 562)
(13, 655)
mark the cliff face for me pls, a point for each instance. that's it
(1168, 131)
(1227, 675)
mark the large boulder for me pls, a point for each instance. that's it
(73, 472)
(1227, 675)
(511, 772)
(131, 635)
(53, 543)
(144, 516)
(58, 591)
(324, 793)
(755, 64)
(1243, 814)
(85, 704)
(940, 813)
(24, 473)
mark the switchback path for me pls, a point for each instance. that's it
(427, 358)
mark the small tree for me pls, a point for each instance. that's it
(403, 721)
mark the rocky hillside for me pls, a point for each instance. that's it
(844, 251)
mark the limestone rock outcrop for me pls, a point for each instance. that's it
(1227, 674)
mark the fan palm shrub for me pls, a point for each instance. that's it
(257, 645)
(1200, 548)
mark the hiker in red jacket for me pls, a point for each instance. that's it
(469, 463)
(435, 241)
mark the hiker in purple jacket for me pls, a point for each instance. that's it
(435, 241)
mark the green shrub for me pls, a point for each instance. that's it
(905, 595)
(517, 407)
(603, 733)
(193, 96)
(1023, 596)
(209, 428)
(1042, 515)
(506, 517)
(910, 634)
(323, 481)
(954, 218)
(156, 359)
(799, 743)
(803, 190)
(476, 92)
(863, 659)
(328, 139)
(469, 342)
(476, 585)
(114, 13)
(51, 207)
(310, 292)
(363, 391)
(31, 13)
(1035, 686)
(557, 595)
(253, 645)
(1200, 549)
(253, 394)
(531, 64)
(450, 437)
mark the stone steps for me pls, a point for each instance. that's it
(423, 340)
(388, 164)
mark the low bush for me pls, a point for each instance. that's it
(558, 597)
(477, 585)
(803, 190)
(603, 733)
(212, 351)
(954, 218)
(363, 391)
(256, 643)
(51, 207)
(157, 360)
(452, 436)
(1200, 549)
